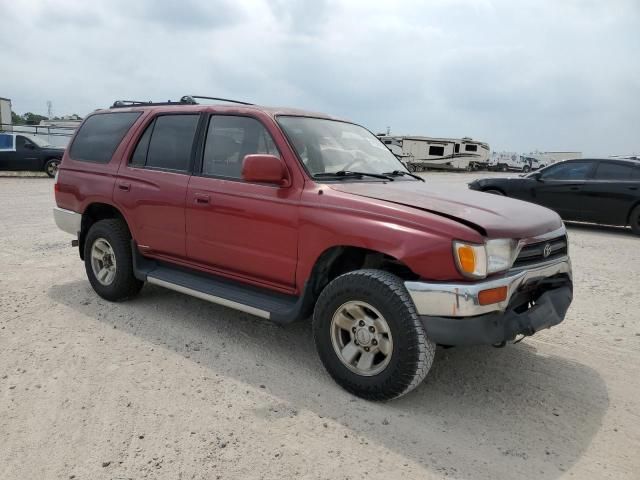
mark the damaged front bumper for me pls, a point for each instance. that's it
(537, 298)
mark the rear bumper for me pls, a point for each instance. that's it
(537, 298)
(67, 220)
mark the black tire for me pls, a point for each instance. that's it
(493, 191)
(634, 220)
(51, 167)
(412, 353)
(504, 168)
(526, 169)
(124, 284)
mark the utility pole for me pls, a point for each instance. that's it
(49, 109)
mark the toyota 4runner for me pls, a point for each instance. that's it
(286, 214)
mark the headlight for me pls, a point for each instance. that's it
(478, 261)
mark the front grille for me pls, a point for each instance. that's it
(534, 252)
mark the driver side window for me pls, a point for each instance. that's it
(23, 143)
(567, 171)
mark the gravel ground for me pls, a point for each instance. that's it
(167, 386)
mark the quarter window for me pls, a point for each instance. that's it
(170, 143)
(615, 171)
(6, 142)
(229, 140)
(100, 135)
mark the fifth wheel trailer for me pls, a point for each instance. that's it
(5, 114)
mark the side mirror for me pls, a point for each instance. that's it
(262, 168)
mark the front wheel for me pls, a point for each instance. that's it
(369, 336)
(51, 167)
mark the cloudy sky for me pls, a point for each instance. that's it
(521, 75)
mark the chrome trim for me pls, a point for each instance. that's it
(210, 298)
(461, 299)
(67, 220)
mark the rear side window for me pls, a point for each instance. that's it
(100, 135)
(167, 143)
(470, 148)
(172, 141)
(615, 171)
(229, 140)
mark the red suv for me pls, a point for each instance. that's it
(286, 214)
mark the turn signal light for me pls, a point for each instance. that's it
(492, 295)
(467, 258)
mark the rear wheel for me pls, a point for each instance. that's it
(369, 336)
(634, 220)
(108, 260)
(51, 167)
(526, 169)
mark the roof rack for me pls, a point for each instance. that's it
(185, 100)
(190, 99)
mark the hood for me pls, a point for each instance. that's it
(491, 215)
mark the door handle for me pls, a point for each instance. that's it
(574, 188)
(124, 186)
(633, 188)
(202, 198)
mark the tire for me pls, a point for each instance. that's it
(634, 220)
(112, 238)
(504, 168)
(51, 167)
(526, 169)
(494, 192)
(377, 298)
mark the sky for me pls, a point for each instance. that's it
(522, 75)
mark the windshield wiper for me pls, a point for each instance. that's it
(400, 173)
(350, 173)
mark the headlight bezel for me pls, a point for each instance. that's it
(493, 256)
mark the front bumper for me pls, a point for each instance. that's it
(537, 298)
(67, 220)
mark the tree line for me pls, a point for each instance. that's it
(30, 118)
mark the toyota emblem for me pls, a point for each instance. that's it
(547, 250)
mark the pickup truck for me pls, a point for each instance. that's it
(286, 214)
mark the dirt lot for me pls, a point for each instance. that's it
(167, 386)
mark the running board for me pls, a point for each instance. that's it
(277, 307)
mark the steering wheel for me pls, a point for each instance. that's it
(358, 158)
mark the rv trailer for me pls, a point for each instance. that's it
(423, 153)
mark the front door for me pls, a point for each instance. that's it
(242, 229)
(27, 156)
(560, 188)
(152, 186)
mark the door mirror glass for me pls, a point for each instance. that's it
(262, 168)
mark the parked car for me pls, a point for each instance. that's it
(601, 191)
(24, 152)
(285, 214)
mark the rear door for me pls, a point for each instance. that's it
(560, 188)
(152, 185)
(7, 150)
(613, 190)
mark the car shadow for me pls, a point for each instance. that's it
(595, 228)
(481, 413)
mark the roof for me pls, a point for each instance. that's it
(7, 99)
(232, 108)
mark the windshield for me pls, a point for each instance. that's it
(329, 146)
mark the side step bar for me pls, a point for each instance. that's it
(256, 301)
